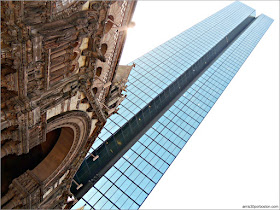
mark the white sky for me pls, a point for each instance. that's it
(233, 157)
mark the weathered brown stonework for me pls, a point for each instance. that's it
(54, 101)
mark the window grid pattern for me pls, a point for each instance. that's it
(131, 179)
(157, 69)
(129, 182)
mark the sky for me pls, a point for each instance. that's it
(232, 159)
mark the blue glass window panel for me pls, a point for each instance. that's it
(125, 185)
(134, 175)
(81, 203)
(147, 169)
(157, 177)
(163, 168)
(100, 203)
(145, 140)
(121, 200)
(108, 205)
(127, 204)
(111, 191)
(152, 173)
(115, 176)
(120, 181)
(215, 86)
(115, 197)
(124, 166)
(129, 171)
(138, 148)
(134, 206)
(141, 197)
(136, 193)
(105, 187)
(139, 178)
(101, 182)
(90, 193)
(95, 198)
(130, 155)
(131, 188)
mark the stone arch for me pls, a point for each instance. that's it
(75, 127)
(52, 161)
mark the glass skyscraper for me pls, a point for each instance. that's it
(170, 91)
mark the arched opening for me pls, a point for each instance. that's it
(13, 166)
(56, 155)
(104, 48)
(94, 90)
(74, 127)
(109, 23)
(98, 71)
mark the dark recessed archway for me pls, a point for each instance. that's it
(74, 128)
(55, 157)
(13, 165)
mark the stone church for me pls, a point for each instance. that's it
(60, 81)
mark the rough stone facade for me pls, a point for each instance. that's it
(60, 81)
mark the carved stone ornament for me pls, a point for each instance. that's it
(53, 101)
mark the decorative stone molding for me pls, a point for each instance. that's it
(94, 103)
(81, 124)
(50, 51)
(30, 182)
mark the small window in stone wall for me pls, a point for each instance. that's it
(94, 90)
(104, 48)
(98, 71)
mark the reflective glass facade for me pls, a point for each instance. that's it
(157, 69)
(211, 53)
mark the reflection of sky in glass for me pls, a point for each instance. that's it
(131, 179)
(157, 69)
